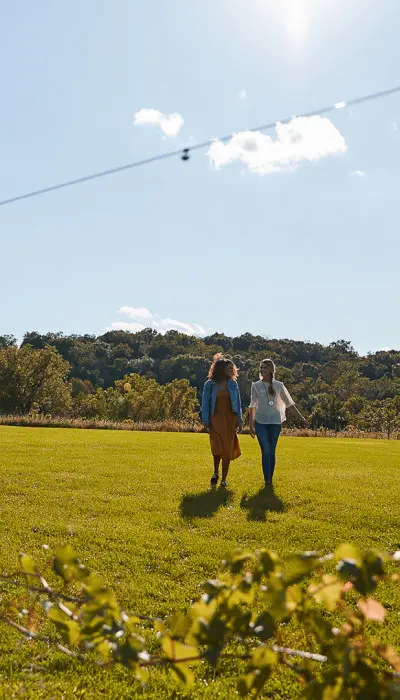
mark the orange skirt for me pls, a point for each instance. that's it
(224, 440)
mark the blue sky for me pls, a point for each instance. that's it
(310, 254)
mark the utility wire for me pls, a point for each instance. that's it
(185, 152)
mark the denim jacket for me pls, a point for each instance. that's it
(209, 399)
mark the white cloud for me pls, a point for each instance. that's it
(140, 312)
(124, 326)
(170, 124)
(143, 318)
(301, 139)
(359, 173)
(242, 94)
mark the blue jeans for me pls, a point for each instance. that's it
(267, 436)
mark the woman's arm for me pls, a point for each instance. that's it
(239, 400)
(252, 410)
(252, 413)
(205, 404)
(298, 412)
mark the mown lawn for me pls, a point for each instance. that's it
(137, 508)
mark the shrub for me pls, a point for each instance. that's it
(242, 615)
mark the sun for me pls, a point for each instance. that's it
(297, 16)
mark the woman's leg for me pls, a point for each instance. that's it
(225, 468)
(263, 440)
(215, 476)
(217, 460)
(274, 432)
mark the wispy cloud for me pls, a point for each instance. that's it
(301, 139)
(141, 318)
(242, 94)
(170, 124)
(359, 173)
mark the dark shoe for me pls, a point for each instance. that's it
(224, 484)
(214, 479)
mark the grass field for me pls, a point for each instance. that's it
(137, 508)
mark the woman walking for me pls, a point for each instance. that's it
(221, 413)
(269, 401)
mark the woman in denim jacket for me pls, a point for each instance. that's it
(221, 413)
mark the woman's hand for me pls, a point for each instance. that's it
(239, 428)
(205, 426)
(252, 431)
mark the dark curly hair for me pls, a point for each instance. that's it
(217, 369)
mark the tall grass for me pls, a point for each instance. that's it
(171, 426)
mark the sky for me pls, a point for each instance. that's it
(290, 233)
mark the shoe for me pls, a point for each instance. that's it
(224, 483)
(214, 479)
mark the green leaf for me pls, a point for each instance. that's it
(268, 560)
(69, 629)
(212, 587)
(212, 655)
(294, 597)
(236, 561)
(160, 626)
(28, 566)
(264, 627)
(263, 656)
(373, 561)
(142, 675)
(176, 651)
(276, 595)
(328, 592)
(65, 562)
(179, 625)
(127, 653)
(300, 565)
(349, 552)
(253, 683)
(183, 674)
(238, 620)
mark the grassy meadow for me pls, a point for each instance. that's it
(138, 510)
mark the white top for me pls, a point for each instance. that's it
(270, 410)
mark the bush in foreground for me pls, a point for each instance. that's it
(242, 616)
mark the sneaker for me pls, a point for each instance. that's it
(214, 479)
(224, 483)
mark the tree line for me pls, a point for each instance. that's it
(152, 376)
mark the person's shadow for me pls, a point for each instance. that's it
(204, 504)
(263, 501)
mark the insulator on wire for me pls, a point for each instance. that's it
(185, 154)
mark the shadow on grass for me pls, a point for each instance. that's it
(204, 504)
(264, 500)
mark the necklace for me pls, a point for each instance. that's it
(271, 403)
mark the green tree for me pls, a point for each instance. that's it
(33, 380)
(180, 400)
(7, 341)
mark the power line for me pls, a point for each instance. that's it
(185, 152)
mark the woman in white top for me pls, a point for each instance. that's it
(269, 401)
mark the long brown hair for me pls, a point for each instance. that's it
(271, 373)
(218, 366)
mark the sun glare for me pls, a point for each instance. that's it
(296, 18)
